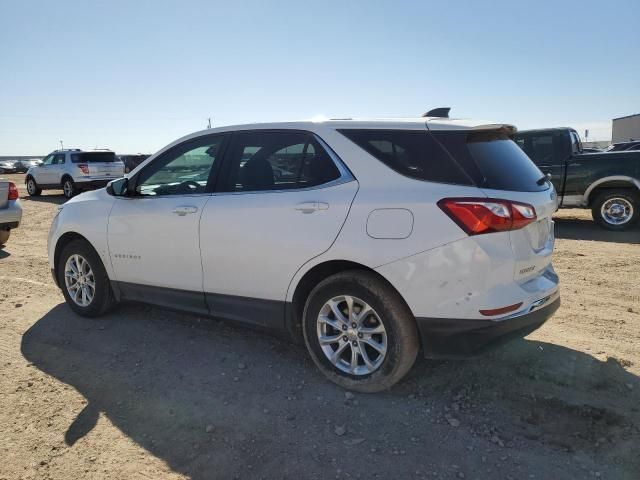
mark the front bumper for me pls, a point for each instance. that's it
(449, 337)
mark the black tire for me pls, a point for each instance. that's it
(68, 187)
(397, 319)
(629, 200)
(32, 187)
(103, 295)
(4, 236)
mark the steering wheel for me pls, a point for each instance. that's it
(192, 184)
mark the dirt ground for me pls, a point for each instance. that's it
(146, 393)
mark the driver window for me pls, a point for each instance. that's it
(183, 170)
(48, 160)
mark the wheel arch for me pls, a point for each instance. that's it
(63, 241)
(311, 278)
(609, 183)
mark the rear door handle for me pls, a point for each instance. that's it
(310, 207)
(182, 211)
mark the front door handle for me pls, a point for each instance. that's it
(182, 211)
(310, 207)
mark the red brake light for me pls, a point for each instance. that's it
(13, 191)
(486, 215)
(84, 167)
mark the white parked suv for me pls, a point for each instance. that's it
(74, 170)
(369, 240)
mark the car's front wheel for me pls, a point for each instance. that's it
(84, 280)
(616, 209)
(32, 188)
(359, 332)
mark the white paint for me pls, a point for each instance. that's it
(390, 223)
(260, 244)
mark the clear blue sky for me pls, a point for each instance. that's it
(135, 75)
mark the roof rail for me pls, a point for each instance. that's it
(441, 112)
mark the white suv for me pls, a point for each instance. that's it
(74, 170)
(369, 240)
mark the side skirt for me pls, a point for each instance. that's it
(269, 314)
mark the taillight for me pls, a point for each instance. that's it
(84, 167)
(486, 215)
(13, 191)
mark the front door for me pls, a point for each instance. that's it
(283, 200)
(153, 233)
(50, 172)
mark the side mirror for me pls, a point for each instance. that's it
(119, 187)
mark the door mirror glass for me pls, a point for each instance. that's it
(119, 187)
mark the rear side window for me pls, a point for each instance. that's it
(267, 160)
(415, 154)
(93, 157)
(493, 160)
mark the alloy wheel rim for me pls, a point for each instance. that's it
(617, 211)
(79, 280)
(31, 186)
(351, 335)
(67, 188)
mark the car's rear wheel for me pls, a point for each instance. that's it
(68, 187)
(32, 188)
(359, 332)
(83, 279)
(4, 236)
(616, 209)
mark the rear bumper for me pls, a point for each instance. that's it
(95, 183)
(10, 215)
(449, 337)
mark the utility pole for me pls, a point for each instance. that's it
(209, 124)
(61, 145)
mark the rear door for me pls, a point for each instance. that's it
(282, 201)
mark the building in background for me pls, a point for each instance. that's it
(626, 128)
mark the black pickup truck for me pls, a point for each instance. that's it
(608, 182)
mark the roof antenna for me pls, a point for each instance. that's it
(440, 112)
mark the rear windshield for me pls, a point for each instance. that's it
(415, 154)
(93, 157)
(493, 160)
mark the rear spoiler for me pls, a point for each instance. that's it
(502, 127)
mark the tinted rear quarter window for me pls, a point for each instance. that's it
(493, 160)
(93, 157)
(412, 153)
